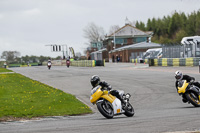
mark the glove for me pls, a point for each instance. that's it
(104, 84)
(109, 87)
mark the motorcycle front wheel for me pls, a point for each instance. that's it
(193, 98)
(129, 110)
(106, 109)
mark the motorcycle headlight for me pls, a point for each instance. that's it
(128, 96)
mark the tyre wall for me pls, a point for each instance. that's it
(174, 62)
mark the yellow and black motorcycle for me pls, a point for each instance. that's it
(109, 105)
(189, 92)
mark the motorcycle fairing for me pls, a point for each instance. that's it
(183, 88)
(117, 106)
(96, 95)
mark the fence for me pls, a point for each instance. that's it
(172, 51)
(174, 62)
(138, 61)
(85, 63)
(180, 51)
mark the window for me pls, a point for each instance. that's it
(94, 45)
(121, 40)
(139, 39)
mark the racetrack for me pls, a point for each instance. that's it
(158, 107)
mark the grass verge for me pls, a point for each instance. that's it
(4, 70)
(21, 97)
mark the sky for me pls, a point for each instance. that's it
(30, 26)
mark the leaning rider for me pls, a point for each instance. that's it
(95, 81)
(179, 76)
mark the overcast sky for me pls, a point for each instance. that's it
(28, 25)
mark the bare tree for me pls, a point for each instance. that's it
(113, 29)
(10, 56)
(93, 32)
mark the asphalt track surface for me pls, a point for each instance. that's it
(158, 107)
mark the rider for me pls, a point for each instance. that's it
(49, 60)
(179, 76)
(95, 81)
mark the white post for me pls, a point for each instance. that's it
(67, 56)
(114, 41)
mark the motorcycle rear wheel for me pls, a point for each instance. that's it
(193, 99)
(129, 110)
(106, 109)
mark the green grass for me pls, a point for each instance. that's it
(4, 70)
(21, 97)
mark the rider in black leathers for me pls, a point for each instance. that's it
(179, 76)
(95, 80)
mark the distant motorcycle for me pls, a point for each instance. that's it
(189, 92)
(49, 65)
(68, 63)
(109, 105)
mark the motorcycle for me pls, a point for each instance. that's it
(68, 63)
(109, 105)
(49, 65)
(189, 92)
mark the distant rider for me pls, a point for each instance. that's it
(179, 76)
(95, 81)
(49, 60)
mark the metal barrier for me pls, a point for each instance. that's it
(174, 62)
(83, 63)
(87, 63)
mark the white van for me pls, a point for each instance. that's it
(191, 46)
(153, 53)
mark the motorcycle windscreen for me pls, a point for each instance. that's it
(183, 88)
(96, 95)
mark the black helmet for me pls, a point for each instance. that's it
(95, 80)
(178, 75)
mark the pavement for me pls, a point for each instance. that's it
(158, 107)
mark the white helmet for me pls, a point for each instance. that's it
(178, 75)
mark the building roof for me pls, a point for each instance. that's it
(142, 45)
(99, 51)
(129, 30)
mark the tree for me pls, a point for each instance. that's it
(172, 29)
(149, 27)
(11, 56)
(198, 23)
(113, 29)
(33, 59)
(140, 25)
(57, 58)
(94, 33)
(179, 35)
(25, 58)
(137, 24)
